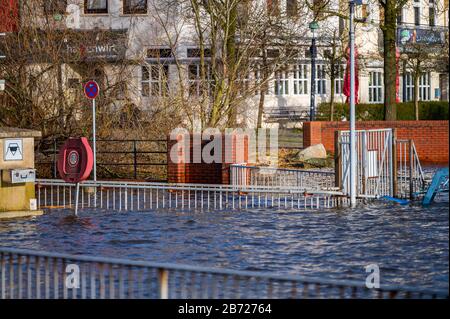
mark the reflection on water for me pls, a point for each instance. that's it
(409, 243)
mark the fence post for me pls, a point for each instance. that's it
(337, 161)
(394, 163)
(55, 169)
(411, 157)
(135, 159)
(163, 283)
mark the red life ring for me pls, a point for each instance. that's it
(75, 160)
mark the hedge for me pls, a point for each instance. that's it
(432, 110)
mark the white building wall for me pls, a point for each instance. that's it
(145, 31)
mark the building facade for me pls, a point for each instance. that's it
(157, 49)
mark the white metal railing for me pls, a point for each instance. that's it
(43, 275)
(374, 160)
(123, 196)
(410, 176)
(245, 175)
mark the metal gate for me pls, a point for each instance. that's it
(375, 165)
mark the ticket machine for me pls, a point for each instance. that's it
(17, 173)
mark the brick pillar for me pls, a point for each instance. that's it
(312, 133)
(206, 173)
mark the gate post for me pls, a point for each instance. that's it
(394, 163)
(337, 161)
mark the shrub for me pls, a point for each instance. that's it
(432, 110)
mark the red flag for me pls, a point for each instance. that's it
(347, 78)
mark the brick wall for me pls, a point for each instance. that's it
(206, 173)
(430, 137)
(9, 14)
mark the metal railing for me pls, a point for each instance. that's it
(375, 169)
(243, 175)
(133, 157)
(42, 275)
(410, 176)
(139, 196)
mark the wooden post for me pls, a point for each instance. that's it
(337, 161)
(394, 163)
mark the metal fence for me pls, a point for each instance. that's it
(243, 175)
(410, 176)
(123, 158)
(41, 275)
(137, 196)
(375, 165)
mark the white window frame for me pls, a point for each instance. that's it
(301, 79)
(375, 87)
(339, 80)
(409, 85)
(425, 87)
(195, 82)
(321, 79)
(161, 82)
(281, 82)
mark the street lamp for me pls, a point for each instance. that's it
(313, 26)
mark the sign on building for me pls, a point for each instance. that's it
(13, 150)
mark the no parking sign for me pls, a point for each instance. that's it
(91, 90)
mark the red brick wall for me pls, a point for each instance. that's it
(205, 173)
(9, 13)
(430, 137)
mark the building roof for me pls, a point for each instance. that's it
(11, 132)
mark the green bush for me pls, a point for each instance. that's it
(432, 110)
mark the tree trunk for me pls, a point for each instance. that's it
(231, 62)
(332, 88)
(390, 62)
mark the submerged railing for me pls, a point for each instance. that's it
(136, 196)
(43, 275)
(410, 176)
(244, 175)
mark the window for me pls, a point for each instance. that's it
(159, 53)
(375, 87)
(55, 7)
(300, 79)
(134, 6)
(424, 87)
(431, 17)
(95, 6)
(291, 8)
(321, 82)
(195, 53)
(409, 87)
(155, 80)
(258, 81)
(195, 80)
(339, 80)
(281, 83)
(400, 16)
(74, 83)
(416, 15)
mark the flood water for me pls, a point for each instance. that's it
(409, 243)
